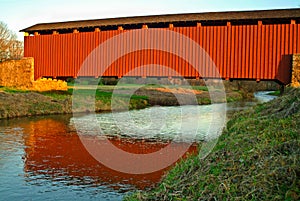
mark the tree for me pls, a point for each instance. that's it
(10, 47)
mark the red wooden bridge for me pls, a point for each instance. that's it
(250, 45)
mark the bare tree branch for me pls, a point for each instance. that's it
(10, 47)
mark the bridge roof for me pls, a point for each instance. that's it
(134, 22)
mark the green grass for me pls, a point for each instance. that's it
(99, 94)
(274, 93)
(59, 95)
(200, 88)
(256, 158)
(12, 90)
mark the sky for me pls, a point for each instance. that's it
(20, 14)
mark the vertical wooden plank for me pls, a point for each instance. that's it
(115, 50)
(283, 42)
(93, 45)
(174, 48)
(294, 40)
(290, 38)
(267, 51)
(134, 58)
(219, 46)
(137, 68)
(103, 37)
(255, 50)
(195, 57)
(201, 56)
(160, 53)
(185, 53)
(275, 50)
(200, 39)
(80, 49)
(179, 67)
(72, 56)
(191, 53)
(262, 57)
(211, 51)
(183, 64)
(232, 62)
(73, 64)
(243, 52)
(229, 51)
(286, 39)
(52, 54)
(114, 53)
(247, 50)
(236, 52)
(83, 50)
(129, 56)
(298, 38)
(239, 54)
(63, 54)
(164, 55)
(251, 52)
(34, 54)
(170, 58)
(66, 54)
(278, 49)
(70, 53)
(225, 53)
(270, 53)
(78, 53)
(205, 45)
(120, 58)
(149, 56)
(58, 67)
(214, 51)
(259, 49)
(208, 45)
(100, 58)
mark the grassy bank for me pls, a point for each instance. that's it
(256, 158)
(17, 103)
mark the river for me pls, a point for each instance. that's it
(50, 158)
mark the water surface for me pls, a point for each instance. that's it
(43, 158)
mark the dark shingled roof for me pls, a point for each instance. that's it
(293, 13)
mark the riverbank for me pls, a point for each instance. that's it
(17, 103)
(256, 158)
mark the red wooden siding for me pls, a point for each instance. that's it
(259, 52)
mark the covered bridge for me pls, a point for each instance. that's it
(251, 45)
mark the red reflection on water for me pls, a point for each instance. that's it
(52, 149)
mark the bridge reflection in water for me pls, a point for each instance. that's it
(54, 151)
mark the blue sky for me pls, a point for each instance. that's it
(19, 14)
